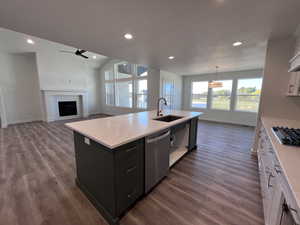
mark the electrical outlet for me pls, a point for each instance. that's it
(87, 141)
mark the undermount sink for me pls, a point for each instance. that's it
(168, 118)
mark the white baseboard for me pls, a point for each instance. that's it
(24, 121)
(228, 122)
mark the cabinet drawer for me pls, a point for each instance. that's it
(127, 152)
(126, 197)
(289, 196)
(129, 175)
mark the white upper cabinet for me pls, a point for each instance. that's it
(294, 84)
(295, 63)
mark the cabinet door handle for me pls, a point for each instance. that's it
(151, 140)
(277, 169)
(130, 149)
(131, 169)
(286, 208)
(130, 195)
(269, 180)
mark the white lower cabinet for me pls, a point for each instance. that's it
(279, 206)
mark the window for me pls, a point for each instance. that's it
(123, 70)
(248, 94)
(199, 94)
(124, 94)
(221, 97)
(141, 94)
(142, 71)
(109, 75)
(168, 92)
(126, 86)
(109, 93)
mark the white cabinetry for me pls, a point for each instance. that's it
(295, 63)
(294, 84)
(274, 186)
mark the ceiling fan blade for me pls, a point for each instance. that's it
(84, 56)
(81, 51)
(67, 51)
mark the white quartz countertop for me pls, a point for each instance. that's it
(288, 156)
(115, 131)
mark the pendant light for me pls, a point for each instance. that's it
(215, 83)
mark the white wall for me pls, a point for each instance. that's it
(59, 71)
(93, 89)
(153, 91)
(236, 117)
(20, 85)
(177, 79)
(23, 75)
(274, 102)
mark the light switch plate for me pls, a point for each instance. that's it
(87, 141)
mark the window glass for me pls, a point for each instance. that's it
(109, 75)
(109, 93)
(126, 86)
(221, 96)
(141, 94)
(248, 94)
(124, 70)
(124, 94)
(169, 93)
(199, 94)
(142, 71)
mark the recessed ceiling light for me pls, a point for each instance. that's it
(171, 57)
(238, 43)
(30, 41)
(128, 36)
(94, 57)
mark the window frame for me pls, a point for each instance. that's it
(207, 96)
(113, 94)
(233, 96)
(230, 99)
(134, 79)
(169, 97)
(136, 94)
(237, 95)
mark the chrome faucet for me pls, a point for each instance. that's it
(165, 102)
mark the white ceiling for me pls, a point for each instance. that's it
(199, 33)
(14, 42)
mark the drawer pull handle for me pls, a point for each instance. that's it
(287, 208)
(130, 149)
(151, 140)
(269, 180)
(131, 169)
(131, 194)
(277, 169)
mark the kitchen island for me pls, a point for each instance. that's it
(120, 159)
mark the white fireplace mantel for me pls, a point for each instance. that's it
(50, 97)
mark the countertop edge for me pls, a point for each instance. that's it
(167, 126)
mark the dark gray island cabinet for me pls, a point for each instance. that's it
(113, 179)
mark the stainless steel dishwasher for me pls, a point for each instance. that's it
(157, 153)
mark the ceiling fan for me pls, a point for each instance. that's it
(78, 52)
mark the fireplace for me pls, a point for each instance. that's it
(58, 106)
(67, 108)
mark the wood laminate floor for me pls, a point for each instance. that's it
(218, 184)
